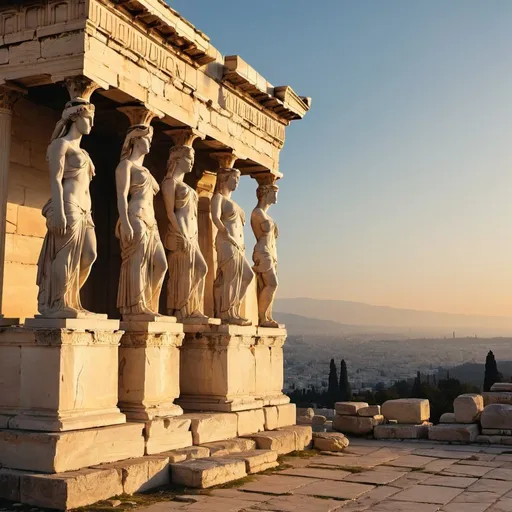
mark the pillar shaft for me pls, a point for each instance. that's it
(7, 99)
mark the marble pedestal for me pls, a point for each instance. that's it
(268, 352)
(218, 368)
(58, 377)
(149, 368)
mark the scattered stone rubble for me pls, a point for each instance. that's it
(357, 417)
(477, 418)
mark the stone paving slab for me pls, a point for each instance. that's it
(369, 499)
(331, 489)
(468, 507)
(460, 482)
(235, 493)
(428, 494)
(362, 462)
(410, 461)
(501, 506)
(410, 480)
(297, 503)
(466, 470)
(442, 454)
(215, 504)
(275, 484)
(484, 463)
(500, 487)
(500, 474)
(397, 506)
(375, 477)
(326, 474)
(476, 497)
(438, 465)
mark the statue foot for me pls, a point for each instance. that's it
(147, 311)
(235, 320)
(66, 312)
(242, 321)
(198, 314)
(269, 323)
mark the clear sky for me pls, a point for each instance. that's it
(398, 182)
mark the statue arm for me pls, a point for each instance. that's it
(122, 189)
(217, 212)
(169, 192)
(57, 163)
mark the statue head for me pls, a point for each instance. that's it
(77, 111)
(138, 136)
(227, 178)
(267, 194)
(181, 158)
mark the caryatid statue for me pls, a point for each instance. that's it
(265, 253)
(187, 266)
(143, 262)
(234, 273)
(69, 247)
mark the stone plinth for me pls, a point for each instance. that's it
(56, 452)
(7, 322)
(218, 369)
(59, 379)
(149, 369)
(163, 434)
(268, 352)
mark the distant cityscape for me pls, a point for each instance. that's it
(374, 363)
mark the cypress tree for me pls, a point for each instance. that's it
(416, 388)
(345, 393)
(491, 371)
(332, 390)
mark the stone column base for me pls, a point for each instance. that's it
(59, 379)
(149, 370)
(218, 369)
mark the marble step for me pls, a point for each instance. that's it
(213, 471)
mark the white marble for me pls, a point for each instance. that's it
(234, 273)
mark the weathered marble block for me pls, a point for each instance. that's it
(149, 370)
(349, 408)
(460, 433)
(497, 416)
(401, 431)
(59, 379)
(57, 452)
(330, 441)
(502, 386)
(268, 351)
(218, 369)
(356, 424)
(407, 410)
(497, 397)
(468, 407)
(371, 410)
(447, 417)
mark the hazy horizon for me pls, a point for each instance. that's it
(391, 307)
(397, 183)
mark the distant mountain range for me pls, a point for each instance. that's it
(344, 317)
